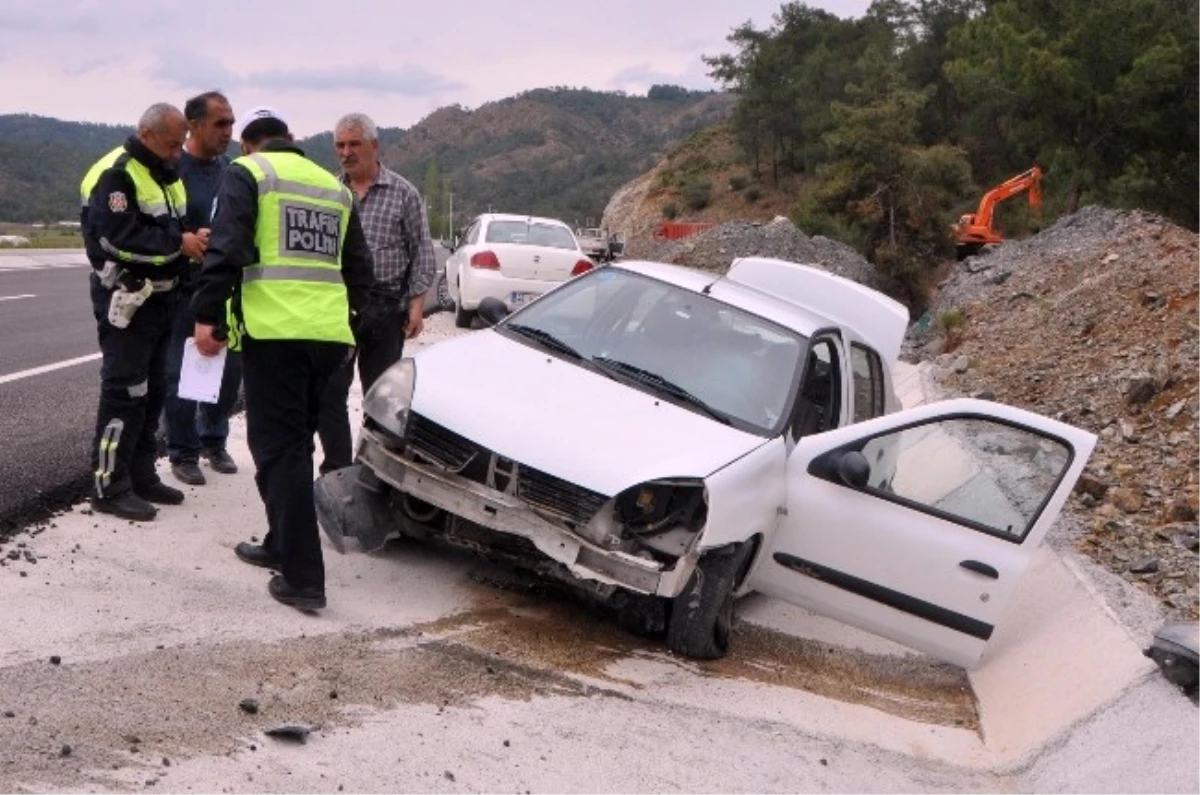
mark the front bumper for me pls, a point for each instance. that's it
(504, 513)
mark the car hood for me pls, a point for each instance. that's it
(562, 419)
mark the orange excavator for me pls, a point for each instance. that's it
(974, 230)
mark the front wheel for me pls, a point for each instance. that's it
(702, 616)
(438, 298)
(444, 301)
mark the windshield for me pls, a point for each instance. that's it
(530, 234)
(697, 352)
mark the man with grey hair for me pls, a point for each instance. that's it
(133, 230)
(397, 231)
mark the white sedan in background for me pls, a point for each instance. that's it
(514, 258)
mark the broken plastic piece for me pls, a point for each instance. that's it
(1175, 651)
(295, 732)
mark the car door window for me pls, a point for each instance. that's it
(993, 477)
(473, 234)
(867, 372)
(819, 403)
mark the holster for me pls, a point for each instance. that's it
(125, 301)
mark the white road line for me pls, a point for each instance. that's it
(48, 368)
(15, 297)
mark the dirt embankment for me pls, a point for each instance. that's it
(1094, 321)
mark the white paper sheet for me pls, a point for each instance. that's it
(200, 377)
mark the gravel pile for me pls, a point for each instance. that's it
(1094, 322)
(715, 249)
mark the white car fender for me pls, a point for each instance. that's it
(746, 496)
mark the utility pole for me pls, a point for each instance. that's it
(450, 217)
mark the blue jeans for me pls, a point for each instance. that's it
(193, 427)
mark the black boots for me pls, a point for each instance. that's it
(125, 505)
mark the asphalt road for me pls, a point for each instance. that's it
(48, 384)
(49, 381)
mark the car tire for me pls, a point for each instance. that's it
(701, 619)
(463, 318)
(444, 301)
(440, 293)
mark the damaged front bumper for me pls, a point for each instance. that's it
(361, 510)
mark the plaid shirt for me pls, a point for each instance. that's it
(393, 219)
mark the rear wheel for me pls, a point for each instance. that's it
(702, 616)
(462, 317)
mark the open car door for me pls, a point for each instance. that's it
(918, 525)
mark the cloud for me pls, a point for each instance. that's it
(639, 78)
(36, 18)
(84, 68)
(407, 81)
(190, 70)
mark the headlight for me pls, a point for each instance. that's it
(663, 504)
(388, 402)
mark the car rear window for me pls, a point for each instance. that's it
(535, 234)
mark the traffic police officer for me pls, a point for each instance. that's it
(132, 222)
(288, 247)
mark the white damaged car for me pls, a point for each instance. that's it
(665, 440)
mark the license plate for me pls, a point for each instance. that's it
(520, 299)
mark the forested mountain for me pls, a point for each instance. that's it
(42, 161)
(893, 123)
(560, 152)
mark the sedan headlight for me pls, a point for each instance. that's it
(388, 402)
(659, 505)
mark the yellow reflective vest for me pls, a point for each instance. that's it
(295, 291)
(152, 200)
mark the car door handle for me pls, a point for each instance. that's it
(980, 568)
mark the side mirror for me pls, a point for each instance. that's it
(853, 469)
(492, 310)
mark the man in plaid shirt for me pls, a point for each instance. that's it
(397, 231)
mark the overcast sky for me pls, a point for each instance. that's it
(396, 60)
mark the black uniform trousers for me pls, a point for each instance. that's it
(378, 349)
(194, 427)
(133, 386)
(284, 381)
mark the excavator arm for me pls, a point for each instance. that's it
(974, 231)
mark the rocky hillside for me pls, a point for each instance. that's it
(1094, 321)
(704, 179)
(558, 152)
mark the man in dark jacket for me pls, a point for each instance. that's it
(194, 429)
(288, 246)
(133, 231)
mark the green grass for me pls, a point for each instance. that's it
(44, 237)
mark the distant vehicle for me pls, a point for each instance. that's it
(678, 230)
(514, 258)
(599, 244)
(974, 230)
(665, 439)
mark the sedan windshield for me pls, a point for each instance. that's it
(688, 348)
(530, 234)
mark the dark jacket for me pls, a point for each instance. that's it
(123, 224)
(231, 245)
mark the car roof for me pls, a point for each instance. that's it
(777, 291)
(488, 217)
(782, 312)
